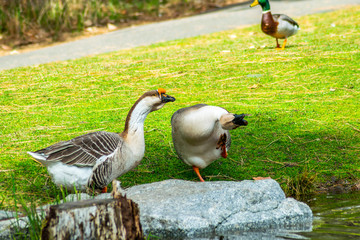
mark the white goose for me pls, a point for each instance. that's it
(201, 134)
(95, 159)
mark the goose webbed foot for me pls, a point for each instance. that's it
(104, 190)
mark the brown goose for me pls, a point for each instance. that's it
(201, 135)
(95, 159)
(276, 25)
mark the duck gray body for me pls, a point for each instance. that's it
(95, 159)
(201, 134)
(286, 26)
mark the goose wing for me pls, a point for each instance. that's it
(283, 17)
(84, 150)
(183, 111)
(187, 125)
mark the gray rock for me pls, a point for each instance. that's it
(9, 225)
(178, 209)
(238, 210)
(6, 214)
(12, 226)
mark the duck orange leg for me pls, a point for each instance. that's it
(196, 169)
(104, 190)
(283, 46)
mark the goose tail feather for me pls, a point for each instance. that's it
(38, 156)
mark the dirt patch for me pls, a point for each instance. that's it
(337, 186)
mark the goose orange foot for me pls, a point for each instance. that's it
(196, 169)
(104, 190)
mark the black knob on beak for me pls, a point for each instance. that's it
(239, 120)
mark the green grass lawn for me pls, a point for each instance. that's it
(302, 104)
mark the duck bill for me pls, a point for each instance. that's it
(256, 2)
(167, 98)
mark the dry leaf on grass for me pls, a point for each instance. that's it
(261, 178)
(254, 86)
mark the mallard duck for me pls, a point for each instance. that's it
(276, 25)
(93, 160)
(201, 135)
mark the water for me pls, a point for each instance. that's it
(335, 217)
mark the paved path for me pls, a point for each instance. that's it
(228, 18)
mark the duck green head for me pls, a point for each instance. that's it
(263, 3)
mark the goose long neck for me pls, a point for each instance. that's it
(134, 124)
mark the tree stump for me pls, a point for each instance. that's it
(93, 219)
